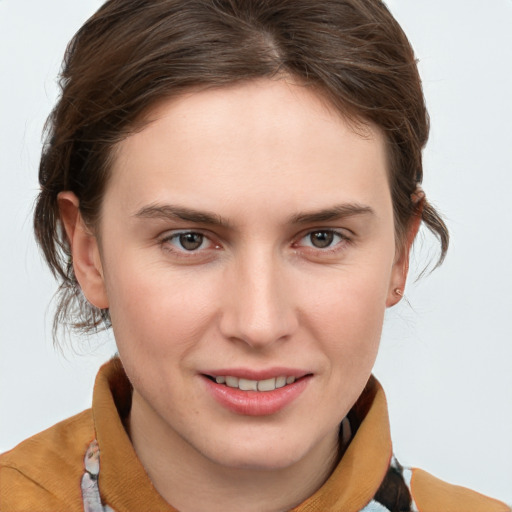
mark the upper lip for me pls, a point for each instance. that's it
(263, 374)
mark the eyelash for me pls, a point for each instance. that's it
(167, 243)
(334, 247)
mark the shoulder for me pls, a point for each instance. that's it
(433, 495)
(44, 472)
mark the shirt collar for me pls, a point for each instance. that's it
(350, 487)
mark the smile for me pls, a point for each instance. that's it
(255, 385)
(256, 397)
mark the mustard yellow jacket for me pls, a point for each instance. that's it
(50, 472)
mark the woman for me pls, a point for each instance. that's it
(239, 187)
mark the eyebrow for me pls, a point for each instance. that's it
(334, 213)
(173, 212)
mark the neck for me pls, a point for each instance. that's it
(189, 481)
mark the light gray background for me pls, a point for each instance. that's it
(445, 361)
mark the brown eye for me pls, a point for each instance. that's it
(321, 239)
(191, 241)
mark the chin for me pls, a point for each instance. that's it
(257, 461)
(260, 453)
(260, 456)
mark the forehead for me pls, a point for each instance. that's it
(263, 141)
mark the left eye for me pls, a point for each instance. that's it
(188, 241)
(322, 239)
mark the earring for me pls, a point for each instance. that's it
(398, 291)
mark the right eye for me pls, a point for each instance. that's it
(187, 241)
(190, 241)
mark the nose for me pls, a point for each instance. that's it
(258, 302)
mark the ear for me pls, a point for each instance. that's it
(401, 264)
(84, 250)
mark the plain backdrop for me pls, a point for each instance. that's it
(446, 358)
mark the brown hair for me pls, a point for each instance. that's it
(132, 54)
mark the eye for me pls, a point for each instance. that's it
(322, 239)
(188, 241)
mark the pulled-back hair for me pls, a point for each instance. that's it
(132, 54)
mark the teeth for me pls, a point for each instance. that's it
(267, 385)
(248, 385)
(280, 382)
(232, 382)
(255, 385)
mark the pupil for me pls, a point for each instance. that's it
(322, 239)
(191, 241)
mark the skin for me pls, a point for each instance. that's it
(263, 157)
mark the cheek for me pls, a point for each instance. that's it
(348, 314)
(156, 311)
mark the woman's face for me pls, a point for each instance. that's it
(247, 232)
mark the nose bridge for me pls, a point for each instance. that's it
(260, 309)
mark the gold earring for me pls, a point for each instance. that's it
(398, 291)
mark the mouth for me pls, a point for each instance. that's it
(264, 385)
(256, 397)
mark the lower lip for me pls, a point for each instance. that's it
(256, 403)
